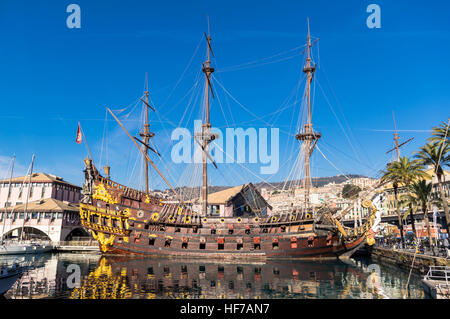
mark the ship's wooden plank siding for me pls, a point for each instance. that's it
(255, 238)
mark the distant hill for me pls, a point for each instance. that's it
(193, 192)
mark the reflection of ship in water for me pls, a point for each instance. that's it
(125, 278)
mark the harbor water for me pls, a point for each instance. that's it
(91, 276)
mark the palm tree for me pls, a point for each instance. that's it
(404, 172)
(441, 134)
(391, 175)
(437, 155)
(409, 171)
(421, 191)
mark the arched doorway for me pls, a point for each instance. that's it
(78, 234)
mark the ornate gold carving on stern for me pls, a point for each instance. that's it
(102, 194)
(103, 240)
(363, 230)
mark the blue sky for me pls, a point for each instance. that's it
(51, 77)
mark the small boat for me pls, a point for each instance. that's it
(8, 276)
(15, 248)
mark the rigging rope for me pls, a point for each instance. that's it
(234, 67)
(317, 146)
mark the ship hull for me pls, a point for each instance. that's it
(129, 222)
(317, 253)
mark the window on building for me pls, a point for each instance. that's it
(215, 210)
(47, 216)
(151, 241)
(34, 215)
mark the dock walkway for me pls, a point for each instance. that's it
(403, 259)
(77, 246)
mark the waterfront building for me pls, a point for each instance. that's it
(43, 186)
(48, 219)
(389, 204)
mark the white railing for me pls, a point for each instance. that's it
(77, 243)
(439, 273)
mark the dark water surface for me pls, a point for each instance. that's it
(122, 278)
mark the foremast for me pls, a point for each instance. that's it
(307, 134)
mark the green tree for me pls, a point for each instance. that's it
(441, 134)
(436, 154)
(350, 191)
(391, 175)
(403, 172)
(421, 192)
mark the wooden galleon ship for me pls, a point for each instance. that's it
(131, 221)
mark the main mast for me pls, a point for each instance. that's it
(206, 126)
(307, 135)
(146, 135)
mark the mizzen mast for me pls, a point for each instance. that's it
(307, 134)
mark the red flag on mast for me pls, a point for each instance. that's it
(79, 136)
